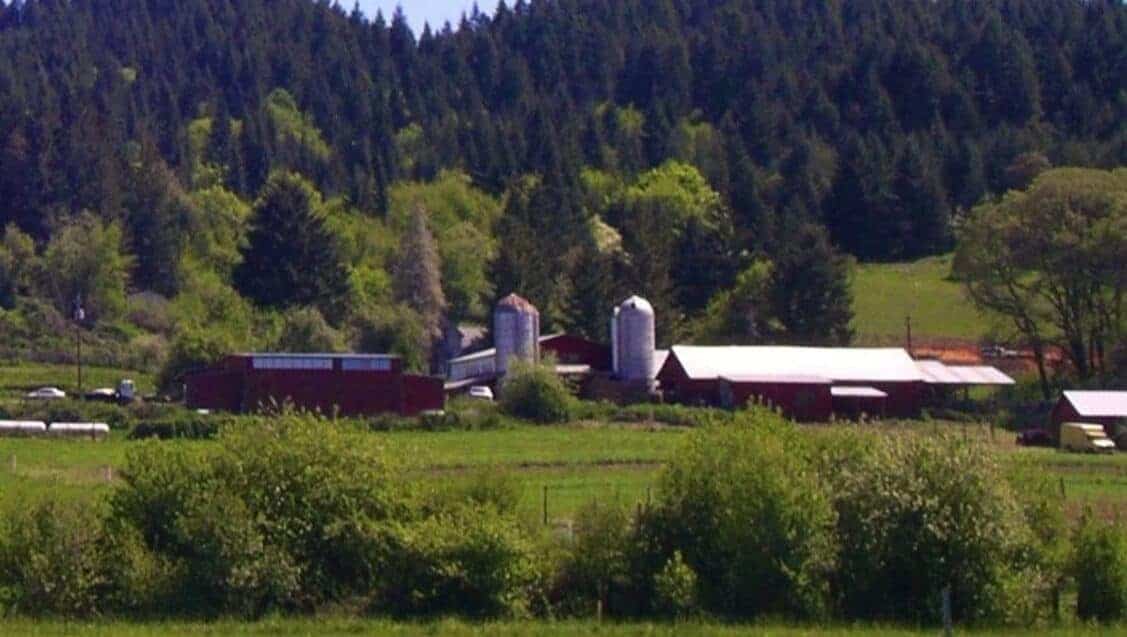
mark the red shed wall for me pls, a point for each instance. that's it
(360, 393)
(214, 389)
(573, 350)
(798, 401)
(422, 393)
(904, 399)
(679, 388)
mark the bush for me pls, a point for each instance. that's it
(305, 330)
(1099, 565)
(596, 566)
(287, 512)
(192, 350)
(534, 392)
(917, 514)
(52, 560)
(469, 560)
(749, 516)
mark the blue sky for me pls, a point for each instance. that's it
(421, 11)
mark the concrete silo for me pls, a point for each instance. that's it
(634, 342)
(516, 332)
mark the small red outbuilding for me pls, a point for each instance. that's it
(1107, 408)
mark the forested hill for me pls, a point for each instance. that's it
(858, 112)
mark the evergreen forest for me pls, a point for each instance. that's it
(206, 175)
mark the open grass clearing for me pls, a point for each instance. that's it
(884, 294)
(17, 378)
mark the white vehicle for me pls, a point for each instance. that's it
(46, 393)
(1076, 436)
(481, 392)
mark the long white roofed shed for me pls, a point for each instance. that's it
(838, 364)
(793, 378)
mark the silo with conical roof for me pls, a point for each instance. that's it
(516, 332)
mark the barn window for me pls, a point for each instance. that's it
(366, 364)
(292, 363)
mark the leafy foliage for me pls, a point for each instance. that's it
(535, 392)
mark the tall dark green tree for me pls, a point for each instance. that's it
(291, 258)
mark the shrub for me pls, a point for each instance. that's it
(675, 588)
(191, 350)
(918, 514)
(51, 560)
(186, 425)
(596, 566)
(1099, 564)
(468, 560)
(307, 503)
(534, 392)
(305, 330)
(748, 514)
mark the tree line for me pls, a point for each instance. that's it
(682, 149)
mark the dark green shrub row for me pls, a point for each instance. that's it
(752, 518)
(185, 424)
(289, 514)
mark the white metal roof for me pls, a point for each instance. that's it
(492, 351)
(1099, 404)
(937, 373)
(660, 356)
(857, 392)
(835, 364)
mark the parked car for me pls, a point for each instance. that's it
(101, 395)
(1035, 438)
(481, 392)
(46, 393)
(997, 351)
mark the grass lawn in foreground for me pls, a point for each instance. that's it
(885, 293)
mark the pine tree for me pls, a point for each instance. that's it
(291, 257)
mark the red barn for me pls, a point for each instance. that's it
(1107, 408)
(697, 375)
(348, 384)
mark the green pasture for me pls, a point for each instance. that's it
(18, 378)
(328, 627)
(575, 464)
(885, 293)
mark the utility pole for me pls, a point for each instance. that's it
(79, 316)
(908, 324)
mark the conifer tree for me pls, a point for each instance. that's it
(291, 257)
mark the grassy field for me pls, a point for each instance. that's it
(328, 627)
(16, 378)
(886, 293)
(576, 464)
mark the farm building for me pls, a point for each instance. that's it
(349, 384)
(1107, 408)
(798, 380)
(575, 356)
(811, 383)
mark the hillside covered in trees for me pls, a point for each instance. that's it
(701, 152)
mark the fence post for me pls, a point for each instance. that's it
(1062, 494)
(12, 463)
(545, 505)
